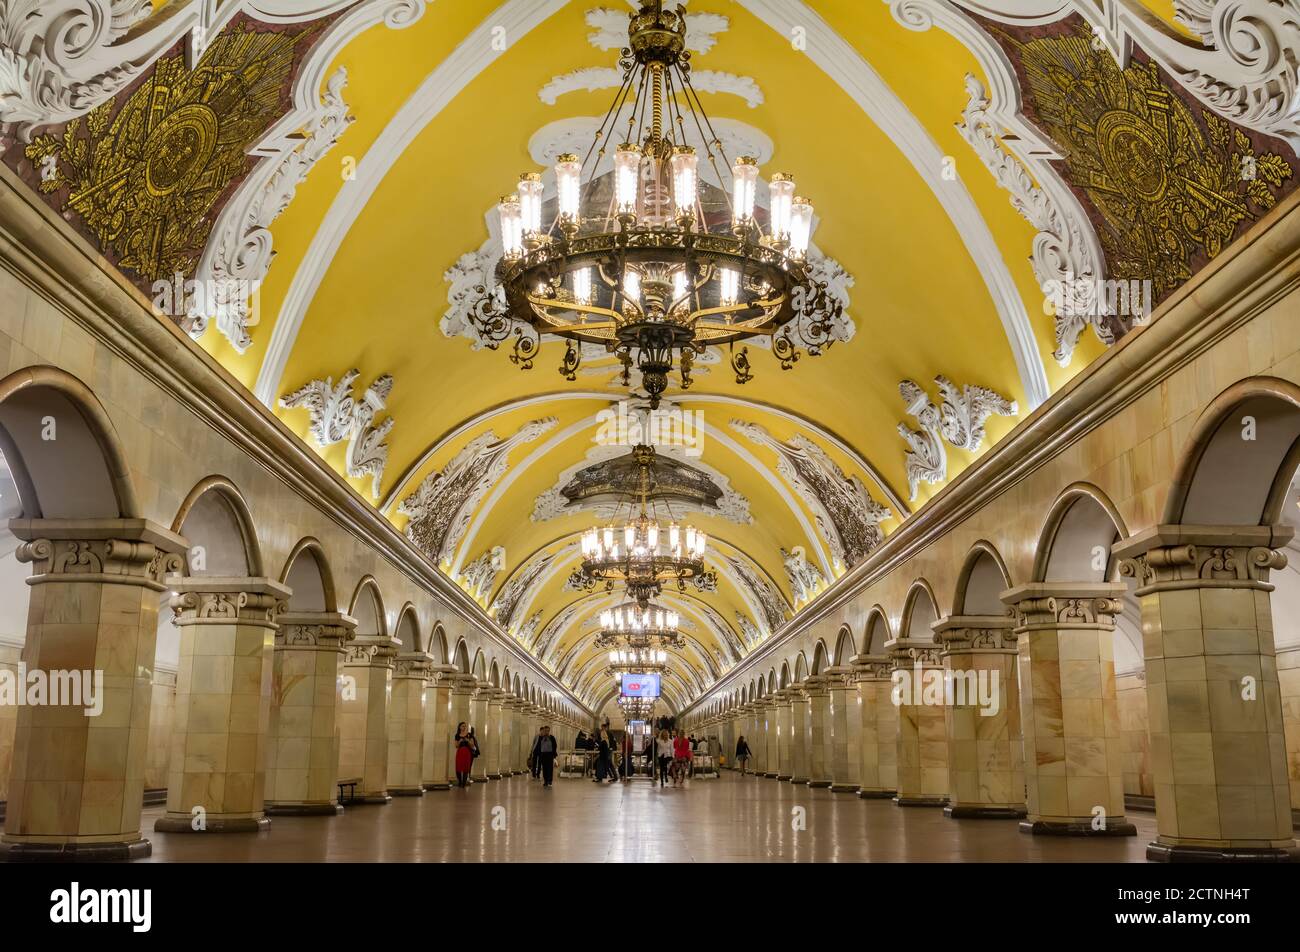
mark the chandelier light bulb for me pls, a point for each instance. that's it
(729, 282)
(530, 202)
(674, 537)
(681, 287)
(582, 286)
(632, 285)
(652, 536)
(782, 206)
(685, 166)
(609, 538)
(744, 178)
(512, 226)
(801, 219)
(627, 174)
(568, 184)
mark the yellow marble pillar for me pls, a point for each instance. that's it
(916, 691)
(1073, 749)
(1217, 744)
(497, 755)
(406, 724)
(986, 771)
(784, 727)
(878, 727)
(482, 730)
(368, 662)
(77, 782)
(845, 731)
(1288, 677)
(800, 735)
(216, 780)
(819, 721)
(771, 737)
(303, 754)
(438, 727)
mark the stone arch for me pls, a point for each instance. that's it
(367, 607)
(821, 658)
(845, 648)
(877, 634)
(771, 681)
(920, 612)
(308, 574)
(981, 582)
(462, 657)
(784, 680)
(407, 629)
(1226, 479)
(479, 668)
(80, 474)
(1075, 543)
(494, 674)
(800, 668)
(216, 522)
(438, 644)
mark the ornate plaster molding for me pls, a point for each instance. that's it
(336, 415)
(847, 517)
(609, 29)
(959, 420)
(806, 580)
(441, 508)
(479, 577)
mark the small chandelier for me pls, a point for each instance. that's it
(636, 708)
(644, 660)
(640, 553)
(658, 266)
(631, 624)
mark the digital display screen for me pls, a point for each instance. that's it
(640, 685)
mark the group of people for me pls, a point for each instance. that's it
(610, 760)
(673, 754)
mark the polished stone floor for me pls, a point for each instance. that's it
(726, 820)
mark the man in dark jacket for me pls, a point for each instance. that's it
(544, 750)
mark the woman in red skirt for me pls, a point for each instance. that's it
(465, 744)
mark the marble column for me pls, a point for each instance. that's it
(483, 731)
(303, 756)
(986, 770)
(845, 731)
(917, 693)
(368, 663)
(1073, 750)
(800, 735)
(499, 752)
(784, 725)
(216, 780)
(878, 729)
(1288, 676)
(819, 723)
(406, 724)
(1218, 748)
(510, 712)
(76, 784)
(771, 737)
(438, 727)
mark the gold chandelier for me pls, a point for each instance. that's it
(640, 554)
(651, 266)
(635, 626)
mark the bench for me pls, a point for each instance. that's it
(351, 785)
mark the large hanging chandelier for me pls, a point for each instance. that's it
(636, 708)
(645, 660)
(634, 626)
(640, 553)
(653, 267)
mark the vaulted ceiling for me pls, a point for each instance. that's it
(406, 132)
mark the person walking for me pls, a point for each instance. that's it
(743, 754)
(534, 765)
(465, 746)
(663, 756)
(543, 756)
(605, 757)
(681, 759)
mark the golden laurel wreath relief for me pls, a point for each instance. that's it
(145, 178)
(1172, 186)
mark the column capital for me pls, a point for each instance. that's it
(839, 677)
(443, 675)
(207, 600)
(786, 694)
(1167, 558)
(867, 667)
(329, 630)
(115, 551)
(378, 650)
(815, 685)
(975, 634)
(904, 652)
(413, 664)
(1040, 605)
